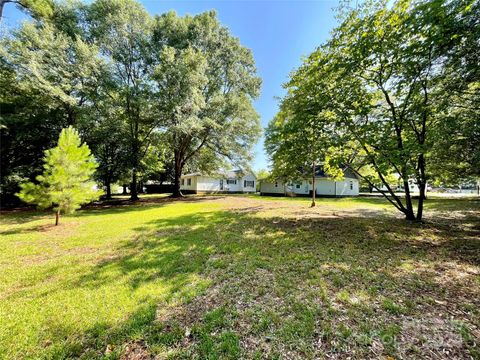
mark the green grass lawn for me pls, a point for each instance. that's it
(241, 277)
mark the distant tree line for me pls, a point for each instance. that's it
(151, 96)
(394, 94)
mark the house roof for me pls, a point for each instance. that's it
(193, 174)
(347, 173)
(234, 174)
(228, 174)
(320, 173)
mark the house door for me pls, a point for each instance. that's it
(221, 184)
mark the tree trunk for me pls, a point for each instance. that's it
(71, 117)
(409, 214)
(124, 189)
(133, 187)
(422, 184)
(57, 217)
(370, 188)
(421, 187)
(109, 190)
(178, 174)
(424, 195)
(313, 186)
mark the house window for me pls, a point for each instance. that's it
(298, 186)
(183, 181)
(276, 183)
(231, 182)
(189, 182)
(248, 183)
(351, 185)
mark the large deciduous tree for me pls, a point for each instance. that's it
(299, 136)
(125, 81)
(206, 82)
(456, 158)
(123, 30)
(48, 78)
(106, 137)
(44, 58)
(385, 80)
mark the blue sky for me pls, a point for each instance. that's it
(279, 33)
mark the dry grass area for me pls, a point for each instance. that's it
(242, 277)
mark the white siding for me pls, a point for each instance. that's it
(249, 177)
(212, 184)
(348, 187)
(185, 186)
(301, 187)
(323, 186)
(205, 183)
(304, 188)
(233, 187)
(270, 188)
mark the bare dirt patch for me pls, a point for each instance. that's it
(135, 351)
(295, 209)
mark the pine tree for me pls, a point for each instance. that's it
(66, 181)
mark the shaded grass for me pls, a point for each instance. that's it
(212, 278)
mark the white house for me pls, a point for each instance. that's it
(229, 182)
(324, 186)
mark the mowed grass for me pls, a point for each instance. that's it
(241, 277)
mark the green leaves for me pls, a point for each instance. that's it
(126, 78)
(50, 61)
(302, 131)
(205, 86)
(180, 77)
(375, 95)
(65, 182)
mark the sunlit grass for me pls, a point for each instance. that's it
(230, 277)
(57, 283)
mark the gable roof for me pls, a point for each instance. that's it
(320, 173)
(229, 174)
(347, 173)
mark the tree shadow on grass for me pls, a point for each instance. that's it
(163, 250)
(125, 203)
(104, 340)
(27, 214)
(26, 230)
(346, 266)
(12, 217)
